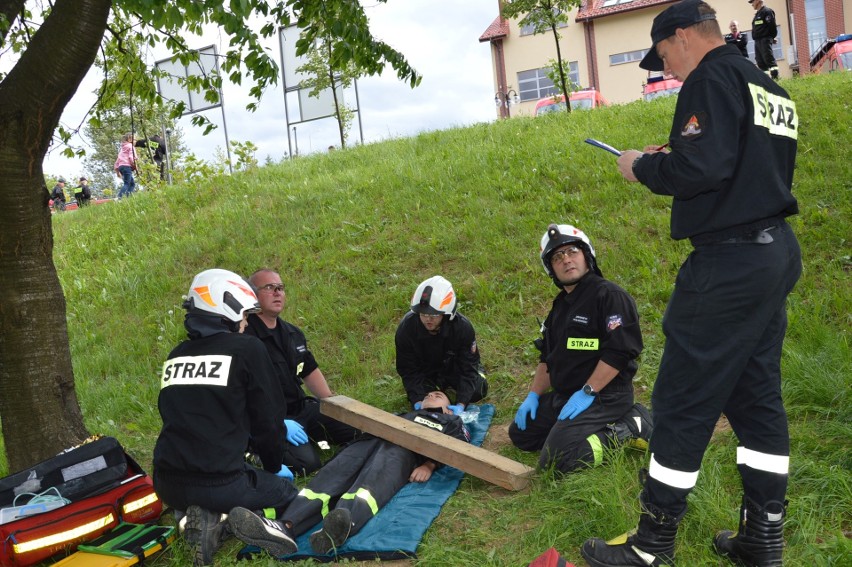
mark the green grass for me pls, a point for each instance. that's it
(353, 232)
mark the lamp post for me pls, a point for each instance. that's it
(504, 99)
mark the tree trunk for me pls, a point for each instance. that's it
(38, 405)
(565, 90)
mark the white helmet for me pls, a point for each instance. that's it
(223, 293)
(434, 296)
(558, 235)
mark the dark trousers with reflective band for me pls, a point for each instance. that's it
(763, 55)
(362, 478)
(724, 327)
(573, 444)
(254, 489)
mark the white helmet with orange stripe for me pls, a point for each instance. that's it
(223, 293)
(434, 296)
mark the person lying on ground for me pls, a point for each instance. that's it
(352, 487)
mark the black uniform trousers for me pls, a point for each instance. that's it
(763, 55)
(253, 488)
(724, 327)
(573, 444)
(363, 477)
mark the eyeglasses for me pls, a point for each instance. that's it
(431, 315)
(272, 288)
(569, 252)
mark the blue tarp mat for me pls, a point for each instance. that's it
(396, 531)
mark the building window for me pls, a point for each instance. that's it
(815, 21)
(777, 48)
(535, 84)
(629, 57)
(529, 29)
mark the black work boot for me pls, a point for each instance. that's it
(633, 428)
(335, 530)
(651, 545)
(204, 531)
(760, 539)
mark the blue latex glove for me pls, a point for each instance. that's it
(418, 405)
(285, 473)
(457, 409)
(528, 408)
(577, 404)
(295, 432)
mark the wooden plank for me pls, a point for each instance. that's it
(471, 459)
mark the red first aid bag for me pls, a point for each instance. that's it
(102, 486)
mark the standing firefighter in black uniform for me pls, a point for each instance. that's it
(295, 365)
(218, 391)
(351, 488)
(155, 146)
(581, 396)
(436, 347)
(763, 32)
(729, 174)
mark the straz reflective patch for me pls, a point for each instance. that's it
(774, 112)
(300, 368)
(211, 370)
(428, 423)
(582, 344)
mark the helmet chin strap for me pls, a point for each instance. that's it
(561, 284)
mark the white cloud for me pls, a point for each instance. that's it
(438, 37)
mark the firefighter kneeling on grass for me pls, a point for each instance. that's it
(581, 397)
(218, 393)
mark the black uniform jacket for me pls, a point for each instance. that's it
(421, 358)
(446, 423)
(763, 24)
(596, 321)
(729, 116)
(740, 41)
(57, 194)
(216, 393)
(288, 349)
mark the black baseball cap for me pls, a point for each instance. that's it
(680, 15)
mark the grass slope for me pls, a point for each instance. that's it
(354, 231)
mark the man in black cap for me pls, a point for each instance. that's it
(729, 173)
(764, 30)
(58, 195)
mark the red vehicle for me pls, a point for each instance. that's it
(580, 100)
(833, 55)
(660, 85)
(73, 206)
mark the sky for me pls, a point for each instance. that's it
(439, 38)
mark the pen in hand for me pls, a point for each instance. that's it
(664, 146)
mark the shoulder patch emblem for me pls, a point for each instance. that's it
(694, 125)
(613, 322)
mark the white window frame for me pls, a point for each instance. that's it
(544, 86)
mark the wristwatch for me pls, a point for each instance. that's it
(588, 390)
